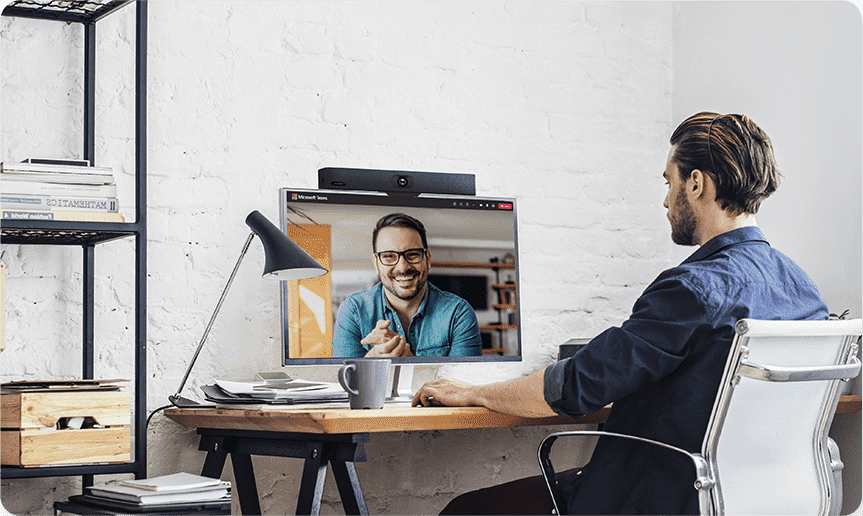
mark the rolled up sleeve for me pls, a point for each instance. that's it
(645, 348)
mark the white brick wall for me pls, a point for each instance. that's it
(565, 105)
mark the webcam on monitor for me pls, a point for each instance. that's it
(396, 181)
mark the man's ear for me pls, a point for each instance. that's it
(696, 184)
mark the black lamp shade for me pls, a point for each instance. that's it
(285, 260)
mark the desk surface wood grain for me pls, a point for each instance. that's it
(338, 419)
(394, 417)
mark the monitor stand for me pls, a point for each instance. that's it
(403, 376)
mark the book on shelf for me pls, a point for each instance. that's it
(173, 482)
(52, 171)
(168, 489)
(36, 187)
(61, 215)
(59, 161)
(36, 167)
(221, 506)
(75, 179)
(10, 201)
(64, 385)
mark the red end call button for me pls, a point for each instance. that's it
(504, 206)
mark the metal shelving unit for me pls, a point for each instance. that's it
(88, 235)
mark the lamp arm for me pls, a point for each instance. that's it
(174, 399)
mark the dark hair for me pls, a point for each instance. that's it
(734, 152)
(398, 220)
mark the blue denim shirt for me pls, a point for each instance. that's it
(661, 369)
(445, 324)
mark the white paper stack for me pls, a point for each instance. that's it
(278, 392)
(167, 489)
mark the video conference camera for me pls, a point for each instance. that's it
(396, 181)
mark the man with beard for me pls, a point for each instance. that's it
(661, 368)
(404, 315)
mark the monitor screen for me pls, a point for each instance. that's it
(464, 282)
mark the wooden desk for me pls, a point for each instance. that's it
(333, 434)
(325, 434)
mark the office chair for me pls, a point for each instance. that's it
(766, 449)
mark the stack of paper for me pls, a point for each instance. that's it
(286, 392)
(168, 489)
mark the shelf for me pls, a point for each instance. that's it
(504, 286)
(488, 327)
(64, 10)
(473, 265)
(492, 351)
(504, 306)
(88, 233)
(72, 470)
(64, 233)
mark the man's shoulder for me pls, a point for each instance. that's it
(743, 265)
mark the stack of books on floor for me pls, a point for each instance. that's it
(47, 189)
(178, 493)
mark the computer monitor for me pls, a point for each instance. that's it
(468, 237)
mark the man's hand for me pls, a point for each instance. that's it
(380, 335)
(385, 342)
(521, 397)
(445, 391)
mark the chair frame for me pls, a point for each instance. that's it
(707, 478)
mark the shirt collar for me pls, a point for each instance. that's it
(388, 308)
(719, 242)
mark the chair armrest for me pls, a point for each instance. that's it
(800, 374)
(703, 480)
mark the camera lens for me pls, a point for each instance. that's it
(402, 181)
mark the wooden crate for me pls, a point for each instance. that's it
(30, 439)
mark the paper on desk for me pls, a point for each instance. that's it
(302, 390)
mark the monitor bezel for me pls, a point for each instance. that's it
(402, 200)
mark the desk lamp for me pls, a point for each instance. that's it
(285, 260)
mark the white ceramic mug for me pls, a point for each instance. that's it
(365, 380)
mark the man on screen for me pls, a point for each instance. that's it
(403, 315)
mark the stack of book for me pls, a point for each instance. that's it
(38, 189)
(175, 490)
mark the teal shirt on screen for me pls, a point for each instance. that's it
(444, 326)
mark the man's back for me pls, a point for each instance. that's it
(662, 368)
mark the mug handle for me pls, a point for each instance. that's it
(343, 373)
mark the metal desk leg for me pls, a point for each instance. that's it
(247, 491)
(216, 455)
(349, 487)
(312, 484)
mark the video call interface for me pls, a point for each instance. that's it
(472, 255)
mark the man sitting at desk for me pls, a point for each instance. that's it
(662, 367)
(403, 315)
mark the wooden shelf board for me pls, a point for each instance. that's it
(498, 326)
(473, 265)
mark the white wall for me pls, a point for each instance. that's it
(794, 68)
(566, 105)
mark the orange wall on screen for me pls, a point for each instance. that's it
(310, 301)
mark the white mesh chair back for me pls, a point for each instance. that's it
(766, 443)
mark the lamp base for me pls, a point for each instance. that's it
(181, 402)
